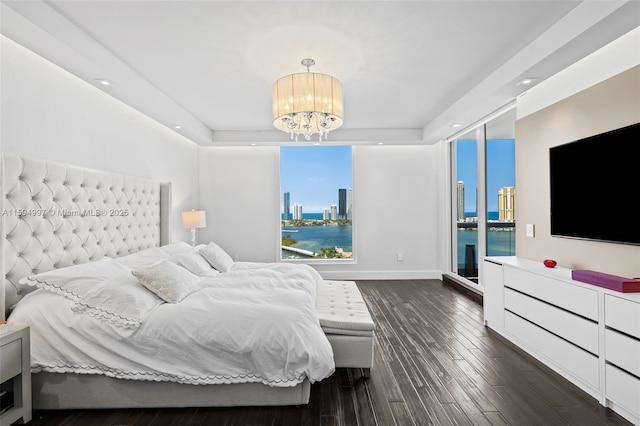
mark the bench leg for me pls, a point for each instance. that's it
(366, 372)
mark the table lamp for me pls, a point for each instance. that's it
(194, 219)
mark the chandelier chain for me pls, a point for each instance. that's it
(308, 63)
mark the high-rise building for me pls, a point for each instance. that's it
(297, 211)
(349, 204)
(460, 200)
(342, 203)
(334, 212)
(287, 206)
(326, 214)
(507, 203)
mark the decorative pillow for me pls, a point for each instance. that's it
(73, 282)
(217, 257)
(193, 261)
(170, 282)
(121, 301)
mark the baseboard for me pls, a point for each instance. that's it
(471, 290)
(381, 275)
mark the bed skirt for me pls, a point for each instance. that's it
(54, 391)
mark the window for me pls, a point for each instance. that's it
(501, 188)
(483, 201)
(316, 202)
(466, 207)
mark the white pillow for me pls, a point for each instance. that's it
(193, 261)
(146, 257)
(121, 301)
(217, 257)
(73, 282)
(178, 247)
(170, 282)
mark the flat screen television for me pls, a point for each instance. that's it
(595, 187)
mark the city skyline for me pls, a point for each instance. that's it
(341, 211)
(313, 175)
(506, 204)
(500, 165)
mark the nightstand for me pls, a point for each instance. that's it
(15, 372)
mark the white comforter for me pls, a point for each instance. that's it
(255, 323)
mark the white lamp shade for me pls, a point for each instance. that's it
(194, 219)
(307, 92)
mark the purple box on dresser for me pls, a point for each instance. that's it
(612, 282)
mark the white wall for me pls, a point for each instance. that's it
(49, 114)
(239, 193)
(396, 196)
(397, 192)
(595, 95)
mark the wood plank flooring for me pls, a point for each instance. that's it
(435, 364)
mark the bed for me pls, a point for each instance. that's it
(115, 229)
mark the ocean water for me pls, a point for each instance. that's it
(499, 243)
(490, 215)
(309, 216)
(315, 237)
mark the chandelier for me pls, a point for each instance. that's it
(307, 103)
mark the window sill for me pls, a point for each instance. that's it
(310, 261)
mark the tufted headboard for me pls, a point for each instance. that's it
(55, 215)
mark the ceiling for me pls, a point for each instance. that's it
(410, 69)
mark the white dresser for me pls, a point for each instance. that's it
(587, 334)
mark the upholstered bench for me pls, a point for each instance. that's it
(347, 323)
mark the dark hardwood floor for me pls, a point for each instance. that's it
(435, 363)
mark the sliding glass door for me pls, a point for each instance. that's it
(465, 206)
(501, 185)
(483, 198)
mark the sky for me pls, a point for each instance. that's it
(313, 175)
(500, 170)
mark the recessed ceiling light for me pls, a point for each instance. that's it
(176, 126)
(380, 143)
(103, 82)
(526, 81)
(456, 125)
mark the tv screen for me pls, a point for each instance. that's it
(595, 187)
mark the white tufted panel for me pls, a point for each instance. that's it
(56, 215)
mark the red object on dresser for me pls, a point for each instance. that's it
(612, 282)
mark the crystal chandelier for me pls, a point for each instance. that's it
(307, 103)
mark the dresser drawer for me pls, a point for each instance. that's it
(11, 360)
(571, 297)
(558, 352)
(573, 328)
(623, 389)
(623, 351)
(623, 315)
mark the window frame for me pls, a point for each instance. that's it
(278, 215)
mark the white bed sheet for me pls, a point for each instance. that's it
(254, 324)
